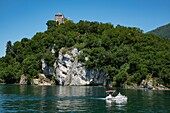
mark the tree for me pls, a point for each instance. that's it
(9, 48)
(122, 75)
(51, 23)
(31, 66)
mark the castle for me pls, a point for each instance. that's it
(59, 18)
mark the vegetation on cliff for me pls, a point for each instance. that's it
(126, 54)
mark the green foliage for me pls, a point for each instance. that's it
(9, 47)
(51, 23)
(122, 75)
(125, 54)
(30, 66)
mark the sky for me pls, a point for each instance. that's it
(24, 18)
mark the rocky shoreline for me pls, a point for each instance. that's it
(42, 80)
(141, 88)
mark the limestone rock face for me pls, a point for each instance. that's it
(69, 71)
(47, 70)
(151, 83)
(42, 80)
(147, 83)
(23, 80)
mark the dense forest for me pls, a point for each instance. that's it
(163, 31)
(126, 54)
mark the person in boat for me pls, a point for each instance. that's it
(109, 97)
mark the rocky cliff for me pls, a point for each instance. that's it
(69, 71)
(47, 70)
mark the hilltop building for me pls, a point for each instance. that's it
(59, 18)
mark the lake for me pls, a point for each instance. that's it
(79, 99)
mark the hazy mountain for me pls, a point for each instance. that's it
(162, 31)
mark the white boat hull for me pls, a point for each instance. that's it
(117, 99)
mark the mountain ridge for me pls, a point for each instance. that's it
(162, 31)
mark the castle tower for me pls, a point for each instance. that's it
(59, 18)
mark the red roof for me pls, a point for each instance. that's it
(110, 91)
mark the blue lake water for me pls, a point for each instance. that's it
(79, 99)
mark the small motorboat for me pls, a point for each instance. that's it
(117, 99)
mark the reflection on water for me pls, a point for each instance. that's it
(48, 98)
(116, 105)
(73, 105)
(73, 99)
(68, 91)
(120, 102)
(61, 91)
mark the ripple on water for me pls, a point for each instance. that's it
(79, 99)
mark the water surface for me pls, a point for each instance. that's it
(79, 99)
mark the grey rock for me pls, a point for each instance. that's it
(42, 80)
(69, 71)
(47, 70)
(23, 80)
